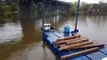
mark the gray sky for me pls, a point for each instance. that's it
(88, 1)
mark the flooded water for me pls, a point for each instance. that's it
(22, 40)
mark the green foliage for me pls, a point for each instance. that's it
(73, 8)
(1, 12)
(84, 8)
(14, 7)
(8, 14)
(83, 5)
(8, 10)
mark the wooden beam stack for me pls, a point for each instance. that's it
(76, 42)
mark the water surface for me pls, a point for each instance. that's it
(22, 40)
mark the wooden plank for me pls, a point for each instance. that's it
(77, 35)
(64, 41)
(62, 45)
(74, 45)
(75, 42)
(89, 46)
(72, 42)
(70, 37)
(87, 51)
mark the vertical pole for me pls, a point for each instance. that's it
(43, 17)
(49, 10)
(43, 14)
(77, 14)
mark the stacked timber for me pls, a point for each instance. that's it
(76, 42)
(87, 51)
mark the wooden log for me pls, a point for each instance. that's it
(69, 41)
(89, 46)
(83, 38)
(77, 35)
(75, 42)
(87, 51)
(65, 38)
(64, 41)
(71, 37)
(72, 42)
(62, 45)
(74, 45)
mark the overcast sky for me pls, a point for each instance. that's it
(88, 1)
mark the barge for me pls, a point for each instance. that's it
(69, 45)
(73, 46)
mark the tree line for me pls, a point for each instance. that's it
(8, 11)
(90, 9)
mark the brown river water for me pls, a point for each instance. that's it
(22, 40)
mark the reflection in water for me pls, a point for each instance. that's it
(25, 37)
(30, 47)
(94, 27)
(29, 31)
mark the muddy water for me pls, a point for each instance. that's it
(22, 40)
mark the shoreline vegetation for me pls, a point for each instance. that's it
(9, 11)
(90, 9)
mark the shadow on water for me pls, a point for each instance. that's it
(29, 31)
(30, 36)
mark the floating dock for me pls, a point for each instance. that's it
(74, 47)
